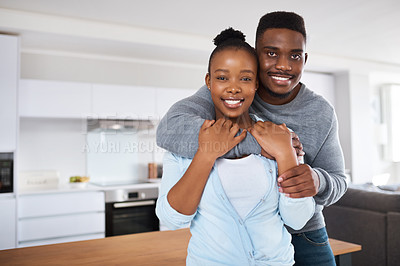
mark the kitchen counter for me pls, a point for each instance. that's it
(154, 248)
(62, 188)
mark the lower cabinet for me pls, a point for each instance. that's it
(7, 223)
(60, 217)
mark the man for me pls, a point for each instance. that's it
(281, 98)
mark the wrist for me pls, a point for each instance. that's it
(205, 157)
(286, 153)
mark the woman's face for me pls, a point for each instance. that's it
(233, 82)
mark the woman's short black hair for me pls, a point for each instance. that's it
(231, 38)
(281, 20)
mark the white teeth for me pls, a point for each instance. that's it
(279, 78)
(232, 101)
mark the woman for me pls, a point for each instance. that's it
(235, 211)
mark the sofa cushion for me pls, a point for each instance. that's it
(393, 239)
(358, 226)
(371, 198)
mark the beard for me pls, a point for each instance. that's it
(277, 95)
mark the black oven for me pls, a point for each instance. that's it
(6, 173)
(130, 211)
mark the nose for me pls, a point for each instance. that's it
(234, 89)
(283, 64)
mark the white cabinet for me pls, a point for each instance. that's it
(124, 102)
(60, 217)
(166, 97)
(42, 98)
(58, 99)
(7, 223)
(8, 91)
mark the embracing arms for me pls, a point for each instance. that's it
(178, 130)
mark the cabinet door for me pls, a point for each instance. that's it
(166, 97)
(8, 92)
(7, 223)
(31, 206)
(61, 226)
(123, 102)
(42, 98)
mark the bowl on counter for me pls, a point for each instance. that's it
(78, 181)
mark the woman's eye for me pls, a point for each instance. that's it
(221, 78)
(246, 79)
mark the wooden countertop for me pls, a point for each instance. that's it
(154, 248)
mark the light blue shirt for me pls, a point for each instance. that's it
(219, 235)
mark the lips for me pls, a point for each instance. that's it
(233, 102)
(280, 78)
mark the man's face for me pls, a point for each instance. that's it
(281, 54)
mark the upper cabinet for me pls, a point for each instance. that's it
(123, 102)
(40, 98)
(58, 99)
(9, 74)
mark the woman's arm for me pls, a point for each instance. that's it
(296, 212)
(215, 139)
(276, 141)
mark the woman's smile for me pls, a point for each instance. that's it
(233, 102)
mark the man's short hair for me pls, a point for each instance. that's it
(281, 20)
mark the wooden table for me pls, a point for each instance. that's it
(155, 248)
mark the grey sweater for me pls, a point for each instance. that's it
(309, 115)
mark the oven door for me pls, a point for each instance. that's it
(131, 217)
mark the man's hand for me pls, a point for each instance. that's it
(298, 147)
(299, 182)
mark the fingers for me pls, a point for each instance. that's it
(207, 124)
(241, 137)
(300, 181)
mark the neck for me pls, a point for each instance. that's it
(244, 121)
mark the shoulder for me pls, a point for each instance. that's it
(315, 103)
(313, 97)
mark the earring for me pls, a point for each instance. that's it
(209, 88)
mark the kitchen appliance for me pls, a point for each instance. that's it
(6, 173)
(131, 211)
(117, 151)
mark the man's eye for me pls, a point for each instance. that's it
(296, 56)
(271, 54)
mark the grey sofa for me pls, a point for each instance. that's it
(368, 216)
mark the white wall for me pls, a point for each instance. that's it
(61, 145)
(52, 144)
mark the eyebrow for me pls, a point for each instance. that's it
(242, 71)
(276, 48)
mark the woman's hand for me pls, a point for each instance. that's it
(276, 141)
(217, 138)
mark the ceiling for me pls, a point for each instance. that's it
(182, 30)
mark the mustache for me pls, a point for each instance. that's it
(280, 74)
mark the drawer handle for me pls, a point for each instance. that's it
(134, 204)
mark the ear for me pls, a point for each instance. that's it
(208, 81)
(305, 58)
(256, 84)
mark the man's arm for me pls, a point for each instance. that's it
(178, 130)
(323, 178)
(329, 165)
